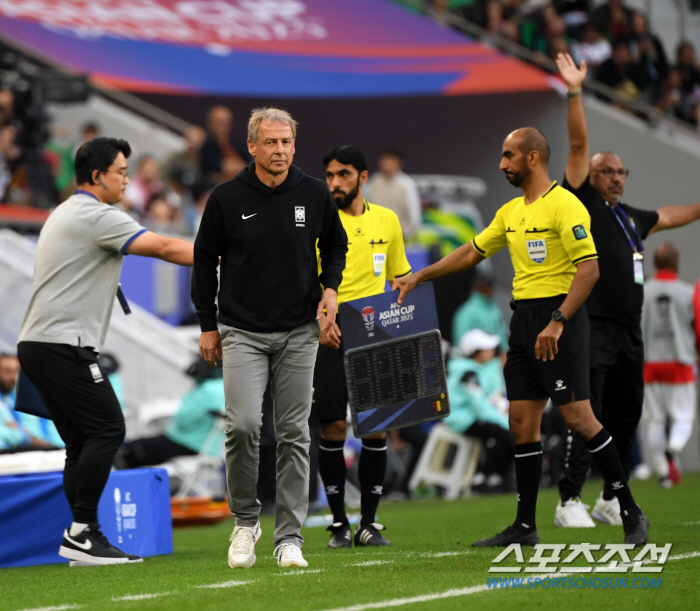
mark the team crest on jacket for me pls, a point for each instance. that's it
(300, 214)
(379, 260)
(537, 249)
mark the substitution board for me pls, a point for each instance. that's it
(394, 364)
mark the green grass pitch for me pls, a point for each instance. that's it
(431, 555)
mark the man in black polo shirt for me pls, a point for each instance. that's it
(614, 305)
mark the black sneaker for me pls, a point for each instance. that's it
(92, 547)
(636, 526)
(508, 536)
(341, 535)
(367, 535)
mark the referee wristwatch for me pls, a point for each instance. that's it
(559, 315)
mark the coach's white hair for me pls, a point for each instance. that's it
(271, 114)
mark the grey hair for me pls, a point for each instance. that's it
(271, 114)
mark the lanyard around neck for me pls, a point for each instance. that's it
(624, 223)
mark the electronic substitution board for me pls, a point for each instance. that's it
(394, 365)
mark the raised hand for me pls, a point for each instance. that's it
(572, 75)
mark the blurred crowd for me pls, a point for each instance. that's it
(615, 41)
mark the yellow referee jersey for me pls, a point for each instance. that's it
(546, 240)
(375, 252)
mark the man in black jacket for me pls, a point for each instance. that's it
(614, 305)
(264, 225)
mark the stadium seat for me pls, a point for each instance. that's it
(448, 460)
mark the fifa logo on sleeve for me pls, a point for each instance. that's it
(368, 317)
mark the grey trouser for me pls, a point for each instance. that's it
(287, 359)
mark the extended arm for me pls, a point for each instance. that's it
(578, 164)
(586, 276)
(173, 250)
(676, 216)
(457, 261)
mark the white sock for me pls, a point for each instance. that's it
(76, 528)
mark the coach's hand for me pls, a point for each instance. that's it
(404, 285)
(572, 75)
(210, 347)
(329, 303)
(546, 344)
(331, 337)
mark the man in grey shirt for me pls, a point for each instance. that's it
(76, 277)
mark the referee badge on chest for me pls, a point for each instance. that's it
(379, 260)
(537, 249)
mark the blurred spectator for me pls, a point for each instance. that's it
(613, 19)
(193, 216)
(621, 73)
(546, 33)
(478, 407)
(186, 163)
(162, 214)
(192, 425)
(687, 63)
(144, 184)
(646, 48)
(89, 131)
(21, 432)
(480, 311)
(9, 154)
(670, 98)
(220, 157)
(574, 13)
(393, 189)
(590, 45)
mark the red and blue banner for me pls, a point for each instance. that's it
(281, 48)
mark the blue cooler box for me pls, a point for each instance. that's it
(134, 514)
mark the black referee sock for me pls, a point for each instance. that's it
(371, 471)
(603, 450)
(528, 471)
(331, 466)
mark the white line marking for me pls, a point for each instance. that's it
(372, 562)
(225, 584)
(397, 602)
(684, 556)
(300, 572)
(441, 554)
(59, 608)
(689, 523)
(140, 596)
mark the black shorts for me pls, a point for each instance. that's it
(330, 401)
(564, 379)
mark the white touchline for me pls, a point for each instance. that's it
(441, 554)
(140, 596)
(225, 584)
(59, 608)
(299, 572)
(397, 602)
(372, 562)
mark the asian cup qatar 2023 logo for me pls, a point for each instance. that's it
(368, 317)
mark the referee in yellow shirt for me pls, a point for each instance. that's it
(548, 234)
(375, 254)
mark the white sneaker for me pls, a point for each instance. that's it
(288, 554)
(607, 512)
(573, 514)
(241, 552)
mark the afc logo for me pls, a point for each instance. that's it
(300, 214)
(368, 317)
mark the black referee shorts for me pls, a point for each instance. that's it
(564, 379)
(330, 387)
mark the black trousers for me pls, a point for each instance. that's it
(149, 451)
(497, 445)
(617, 395)
(86, 413)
